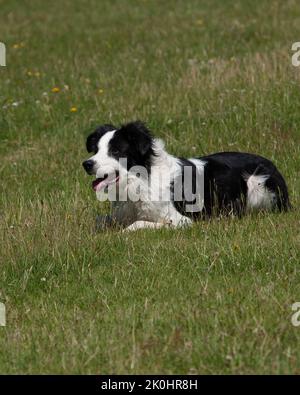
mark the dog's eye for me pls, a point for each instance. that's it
(115, 152)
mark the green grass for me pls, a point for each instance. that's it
(206, 76)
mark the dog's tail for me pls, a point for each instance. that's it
(267, 189)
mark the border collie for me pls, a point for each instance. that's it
(150, 185)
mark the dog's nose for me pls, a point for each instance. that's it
(88, 166)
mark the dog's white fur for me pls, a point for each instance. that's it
(258, 196)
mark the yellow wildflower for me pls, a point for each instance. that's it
(18, 45)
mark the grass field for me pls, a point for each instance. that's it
(206, 76)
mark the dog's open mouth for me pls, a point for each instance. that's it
(103, 183)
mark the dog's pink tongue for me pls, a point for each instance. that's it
(96, 184)
(101, 183)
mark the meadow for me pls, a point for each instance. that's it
(205, 76)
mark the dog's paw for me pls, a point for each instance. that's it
(143, 225)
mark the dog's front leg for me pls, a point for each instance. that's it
(183, 222)
(145, 225)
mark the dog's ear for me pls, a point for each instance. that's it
(93, 138)
(138, 136)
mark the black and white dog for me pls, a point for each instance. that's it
(150, 185)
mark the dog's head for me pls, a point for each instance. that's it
(116, 151)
